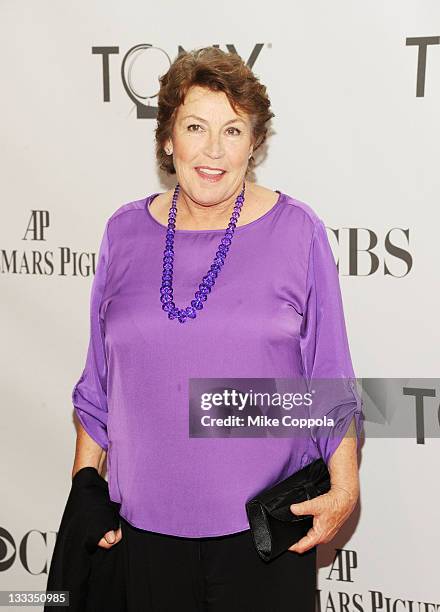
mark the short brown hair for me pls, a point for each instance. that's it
(217, 70)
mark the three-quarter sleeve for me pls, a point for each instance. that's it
(325, 350)
(89, 395)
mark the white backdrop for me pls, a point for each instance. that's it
(356, 137)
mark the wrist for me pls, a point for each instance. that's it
(352, 492)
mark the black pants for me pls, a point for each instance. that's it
(214, 574)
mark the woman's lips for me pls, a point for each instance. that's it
(211, 178)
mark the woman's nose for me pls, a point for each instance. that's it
(214, 146)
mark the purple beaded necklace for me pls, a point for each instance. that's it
(208, 281)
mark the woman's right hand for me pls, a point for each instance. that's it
(110, 538)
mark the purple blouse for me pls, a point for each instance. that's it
(275, 311)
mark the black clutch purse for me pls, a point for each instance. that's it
(273, 525)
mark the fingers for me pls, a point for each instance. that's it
(312, 537)
(310, 506)
(110, 538)
(310, 540)
(329, 511)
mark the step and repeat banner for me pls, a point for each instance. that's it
(355, 88)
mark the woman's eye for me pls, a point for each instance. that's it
(193, 125)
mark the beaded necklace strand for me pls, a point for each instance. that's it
(166, 290)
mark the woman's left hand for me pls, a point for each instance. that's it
(330, 511)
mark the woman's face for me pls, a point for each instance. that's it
(208, 134)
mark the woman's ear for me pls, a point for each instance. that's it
(168, 148)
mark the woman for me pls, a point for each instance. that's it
(269, 306)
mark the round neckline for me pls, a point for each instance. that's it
(151, 197)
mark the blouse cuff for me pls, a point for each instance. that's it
(328, 437)
(94, 420)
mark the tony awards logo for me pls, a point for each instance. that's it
(140, 68)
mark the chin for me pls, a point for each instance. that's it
(208, 193)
